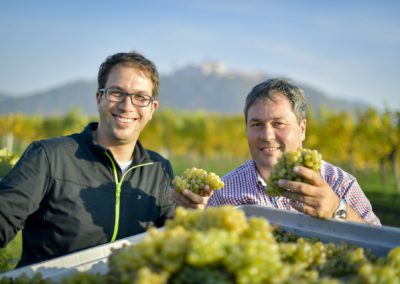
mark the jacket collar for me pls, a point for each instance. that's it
(140, 154)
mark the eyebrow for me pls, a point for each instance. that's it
(264, 120)
(255, 120)
(123, 90)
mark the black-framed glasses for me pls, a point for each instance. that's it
(118, 96)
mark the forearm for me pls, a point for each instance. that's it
(352, 215)
(359, 207)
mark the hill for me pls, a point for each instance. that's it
(192, 88)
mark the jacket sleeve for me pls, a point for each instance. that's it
(167, 205)
(22, 190)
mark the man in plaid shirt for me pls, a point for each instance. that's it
(275, 115)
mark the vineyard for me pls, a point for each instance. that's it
(366, 141)
(366, 144)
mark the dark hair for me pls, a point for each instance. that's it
(134, 59)
(271, 88)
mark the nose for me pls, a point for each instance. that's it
(126, 104)
(267, 133)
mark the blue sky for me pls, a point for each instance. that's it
(348, 49)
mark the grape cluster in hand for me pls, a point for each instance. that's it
(284, 168)
(196, 179)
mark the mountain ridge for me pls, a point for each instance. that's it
(191, 88)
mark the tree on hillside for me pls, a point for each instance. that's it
(391, 128)
(377, 139)
(22, 129)
(333, 134)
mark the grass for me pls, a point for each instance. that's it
(10, 255)
(370, 181)
(384, 198)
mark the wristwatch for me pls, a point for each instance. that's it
(341, 211)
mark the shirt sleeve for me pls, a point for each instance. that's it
(213, 201)
(356, 198)
(347, 187)
(223, 196)
(22, 190)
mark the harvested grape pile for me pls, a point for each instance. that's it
(219, 245)
(196, 179)
(284, 168)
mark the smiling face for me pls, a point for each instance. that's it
(272, 128)
(121, 123)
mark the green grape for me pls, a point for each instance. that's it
(223, 218)
(393, 257)
(370, 273)
(209, 248)
(284, 168)
(201, 275)
(146, 276)
(83, 278)
(37, 278)
(196, 179)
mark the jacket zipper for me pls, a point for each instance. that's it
(118, 184)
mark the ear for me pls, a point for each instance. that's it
(154, 106)
(303, 126)
(98, 97)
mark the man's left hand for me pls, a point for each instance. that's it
(189, 199)
(313, 197)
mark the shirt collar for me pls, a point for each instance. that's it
(261, 181)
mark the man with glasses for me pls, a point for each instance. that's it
(87, 189)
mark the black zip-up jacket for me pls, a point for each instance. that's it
(68, 194)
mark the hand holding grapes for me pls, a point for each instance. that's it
(189, 199)
(296, 176)
(194, 187)
(313, 196)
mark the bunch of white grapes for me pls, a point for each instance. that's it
(284, 168)
(196, 179)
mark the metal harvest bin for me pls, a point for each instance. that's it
(379, 239)
(91, 260)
